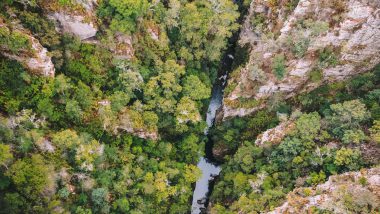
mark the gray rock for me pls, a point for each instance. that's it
(75, 25)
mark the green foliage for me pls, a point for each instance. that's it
(327, 58)
(5, 154)
(278, 66)
(187, 111)
(345, 116)
(316, 75)
(308, 126)
(30, 176)
(64, 193)
(199, 21)
(316, 178)
(353, 136)
(14, 41)
(375, 131)
(299, 46)
(195, 89)
(347, 158)
(124, 13)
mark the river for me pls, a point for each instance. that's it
(207, 164)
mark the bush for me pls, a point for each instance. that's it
(353, 136)
(315, 75)
(327, 58)
(278, 66)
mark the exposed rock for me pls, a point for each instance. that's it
(36, 60)
(363, 189)
(275, 135)
(75, 25)
(79, 21)
(127, 125)
(352, 35)
(45, 145)
(123, 47)
(89, 5)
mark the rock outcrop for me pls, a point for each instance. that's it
(275, 135)
(296, 50)
(34, 57)
(79, 21)
(75, 25)
(340, 194)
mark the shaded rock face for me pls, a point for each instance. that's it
(296, 51)
(36, 60)
(360, 189)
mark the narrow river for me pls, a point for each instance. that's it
(207, 164)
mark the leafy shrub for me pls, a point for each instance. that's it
(315, 75)
(327, 58)
(353, 136)
(278, 66)
(14, 41)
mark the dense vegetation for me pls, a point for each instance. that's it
(337, 132)
(120, 126)
(109, 134)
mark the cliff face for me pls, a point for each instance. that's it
(296, 47)
(340, 194)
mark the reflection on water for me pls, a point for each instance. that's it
(202, 185)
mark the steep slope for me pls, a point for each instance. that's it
(297, 50)
(351, 192)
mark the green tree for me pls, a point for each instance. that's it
(73, 110)
(86, 154)
(375, 131)
(346, 116)
(353, 136)
(195, 89)
(30, 176)
(5, 155)
(99, 197)
(187, 111)
(161, 91)
(348, 158)
(308, 126)
(127, 13)
(205, 26)
(66, 139)
(278, 66)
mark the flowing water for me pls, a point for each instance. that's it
(207, 164)
(209, 167)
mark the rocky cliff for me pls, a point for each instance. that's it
(340, 194)
(296, 46)
(18, 44)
